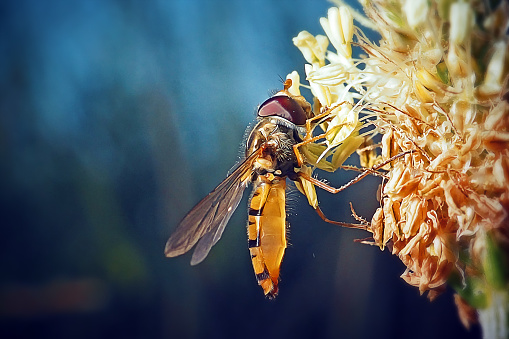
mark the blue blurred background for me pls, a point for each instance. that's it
(116, 118)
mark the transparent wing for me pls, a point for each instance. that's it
(205, 223)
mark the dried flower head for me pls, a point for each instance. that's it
(436, 88)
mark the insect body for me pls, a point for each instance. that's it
(271, 157)
(275, 137)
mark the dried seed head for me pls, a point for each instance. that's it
(428, 88)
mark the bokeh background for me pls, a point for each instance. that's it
(116, 117)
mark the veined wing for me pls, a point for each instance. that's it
(206, 221)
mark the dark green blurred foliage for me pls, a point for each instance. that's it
(115, 118)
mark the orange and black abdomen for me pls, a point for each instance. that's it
(267, 231)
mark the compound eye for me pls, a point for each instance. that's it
(285, 107)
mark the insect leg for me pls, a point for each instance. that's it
(298, 155)
(358, 178)
(333, 190)
(309, 133)
(339, 223)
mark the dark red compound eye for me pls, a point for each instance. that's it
(284, 107)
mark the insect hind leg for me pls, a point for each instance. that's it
(361, 226)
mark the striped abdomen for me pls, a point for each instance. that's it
(267, 231)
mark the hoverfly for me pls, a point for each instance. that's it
(271, 156)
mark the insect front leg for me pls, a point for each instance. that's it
(309, 132)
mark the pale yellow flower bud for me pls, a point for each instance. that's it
(342, 125)
(294, 88)
(346, 23)
(456, 61)
(339, 28)
(330, 75)
(347, 148)
(322, 93)
(461, 19)
(307, 188)
(312, 48)
(495, 72)
(416, 12)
